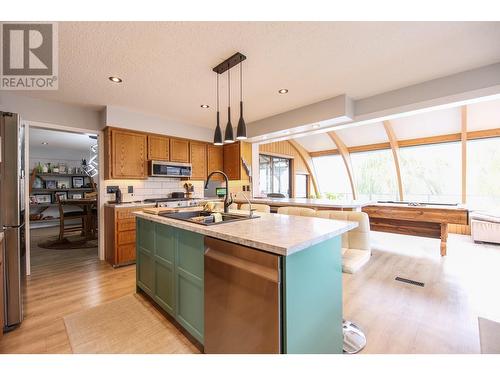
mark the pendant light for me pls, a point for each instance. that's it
(241, 133)
(229, 137)
(218, 131)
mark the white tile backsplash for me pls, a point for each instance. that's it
(153, 187)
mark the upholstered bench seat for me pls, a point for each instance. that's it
(485, 226)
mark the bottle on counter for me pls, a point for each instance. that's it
(118, 196)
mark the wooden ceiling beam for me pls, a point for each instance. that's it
(454, 137)
(395, 153)
(344, 152)
(306, 158)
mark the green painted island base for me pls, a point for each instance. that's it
(312, 300)
(170, 270)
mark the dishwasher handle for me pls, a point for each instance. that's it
(268, 273)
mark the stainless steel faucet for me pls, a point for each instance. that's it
(227, 199)
(250, 214)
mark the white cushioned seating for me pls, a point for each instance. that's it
(485, 226)
(256, 207)
(356, 250)
(297, 211)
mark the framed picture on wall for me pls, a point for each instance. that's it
(60, 196)
(77, 182)
(50, 184)
(43, 198)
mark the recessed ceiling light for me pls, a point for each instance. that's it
(115, 79)
(282, 91)
(45, 143)
(315, 126)
(204, 106)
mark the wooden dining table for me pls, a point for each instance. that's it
(86, 204)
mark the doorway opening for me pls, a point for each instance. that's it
(62, 180)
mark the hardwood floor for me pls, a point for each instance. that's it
(62, 282)
(441, 317)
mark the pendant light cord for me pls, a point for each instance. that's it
(229, 87)
(241, 81)
(217, 92)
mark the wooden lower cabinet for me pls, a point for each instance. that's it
(120, 235)
(170, 270)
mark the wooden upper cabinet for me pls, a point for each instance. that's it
(179, 150)
(233, 165)
(232, 161)
(158, 147)
(215, 160)
(198, 154)
(126, 154)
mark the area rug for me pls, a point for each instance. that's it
(72, 242)
(124, 325)
(489, 335)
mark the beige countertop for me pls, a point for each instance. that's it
(129, 204)
(149, 204)
(278, 234)
(307, 202)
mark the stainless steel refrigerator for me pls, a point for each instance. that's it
(12, 215)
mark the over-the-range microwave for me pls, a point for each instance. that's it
(158, 168)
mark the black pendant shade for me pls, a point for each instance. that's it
(218, 132)
(241, 133)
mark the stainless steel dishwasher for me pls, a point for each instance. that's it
(242, 299)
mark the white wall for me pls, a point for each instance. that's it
(124, 118)
(50, 112)
(56, 155)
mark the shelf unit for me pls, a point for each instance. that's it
(69, 189)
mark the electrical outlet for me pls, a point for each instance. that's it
(111, 189)
(131, 190)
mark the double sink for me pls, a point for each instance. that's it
(206, 218)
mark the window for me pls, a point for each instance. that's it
(432, 173)
(483, 173)
(332, 177)
(274, 175)
(375, 175)
(301, 188)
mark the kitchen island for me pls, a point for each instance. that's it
(271, 284)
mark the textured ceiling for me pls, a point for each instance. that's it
(166, 67)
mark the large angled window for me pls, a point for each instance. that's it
(483, 173)
(274, 175)
(332, 177)
(375, 175)
(432, 173)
